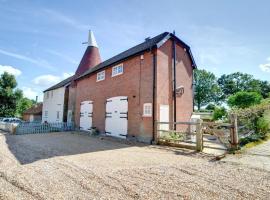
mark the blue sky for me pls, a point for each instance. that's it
(41, 41)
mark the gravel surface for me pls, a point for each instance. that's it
(257, 156)
(76, 166)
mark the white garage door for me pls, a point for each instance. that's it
(86, 114)
(117, 116)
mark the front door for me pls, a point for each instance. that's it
(116, 116)
(164, 117)
(86, 113)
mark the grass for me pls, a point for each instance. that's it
(255, 143)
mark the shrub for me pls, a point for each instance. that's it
(244, 99)
(262, 126)
(219, 113)
(210, 106)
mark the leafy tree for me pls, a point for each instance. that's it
(265, 88)
(236, 82)
(206, 88)
(8, 95)
(219, 113)
(23, 104)
(244, 99)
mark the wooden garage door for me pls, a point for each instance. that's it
(86, 113)
(116, 123)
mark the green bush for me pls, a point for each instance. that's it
(210, 106)
(219, 113)
(244, 99)
(262, 126)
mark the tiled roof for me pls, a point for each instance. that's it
(148, 44)
(35, 109)
(156, 41)
(61, 84)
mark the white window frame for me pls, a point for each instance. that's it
(101, 76)
(57, 115)
(147, 109)
(115, 71)
(46, 113)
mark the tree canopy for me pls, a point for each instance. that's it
(236, 82)
(206, 88)
(244, 99)
(23, 104)
(9, 95)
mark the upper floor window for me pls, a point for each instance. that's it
(58, 115)
(101, 76)
(117, 70)
(46, 113)
(47, 94)
(51, 93)
(147, 110)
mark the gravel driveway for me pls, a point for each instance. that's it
(76, 166)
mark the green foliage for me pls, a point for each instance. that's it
(206, 88)
(8, 95)
(263, 126)
(22, 105)
(219, 113)
(236, 82)
(256, 119)
(244, 99)
(172, 135)
(210, 106)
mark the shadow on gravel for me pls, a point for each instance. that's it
(33, 147)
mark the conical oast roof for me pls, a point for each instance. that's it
(91, 56)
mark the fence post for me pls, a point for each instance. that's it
(199, 136)
(234, 131)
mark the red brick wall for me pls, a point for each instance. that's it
(136, 82)
(184, 73)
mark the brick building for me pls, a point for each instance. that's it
(125, 95)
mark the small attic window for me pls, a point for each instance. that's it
(117, 70)
(101, 76)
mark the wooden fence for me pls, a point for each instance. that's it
(37, 127)
(187, 134)
(190, 134)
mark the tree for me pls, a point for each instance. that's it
(219, 113)
(244, 99)
(8, 95)
(23, 104)
(265, 88)
(206, 88)
(236, 82)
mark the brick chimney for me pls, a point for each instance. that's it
(91, 56)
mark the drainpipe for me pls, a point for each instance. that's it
(174, 82)
(154, 95)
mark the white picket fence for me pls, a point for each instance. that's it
(36, 127)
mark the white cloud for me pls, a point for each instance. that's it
(265, 67)
(31, 93)
(57, 16)
(48, 80)
(10, 69)
(40, 62)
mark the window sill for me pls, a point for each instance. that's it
(117, 74)
(146, 115)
